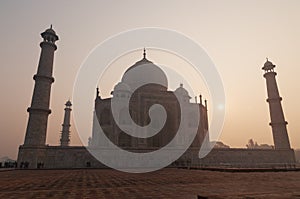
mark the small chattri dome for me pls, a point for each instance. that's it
(182, 91)
(50, 32)
(121, 86)
(68, 103)
(268, 65)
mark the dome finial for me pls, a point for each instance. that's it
(144, 54)
(51, 26)
(267, 58)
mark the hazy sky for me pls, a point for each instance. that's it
(237, 35)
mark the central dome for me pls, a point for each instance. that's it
(144, 72)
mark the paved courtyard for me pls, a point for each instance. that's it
(166, 183)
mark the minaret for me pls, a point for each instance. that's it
(278, 123)
(39, 109)
(65, 133)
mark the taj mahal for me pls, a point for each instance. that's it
(35, 153)
(141, 100)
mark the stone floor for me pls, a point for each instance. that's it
(166, 183)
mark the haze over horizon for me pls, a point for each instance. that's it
(237, 36)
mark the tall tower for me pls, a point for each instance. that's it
(65, 133)
(278, 123)
(39, 109)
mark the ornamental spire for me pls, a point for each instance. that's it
(144, 54)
